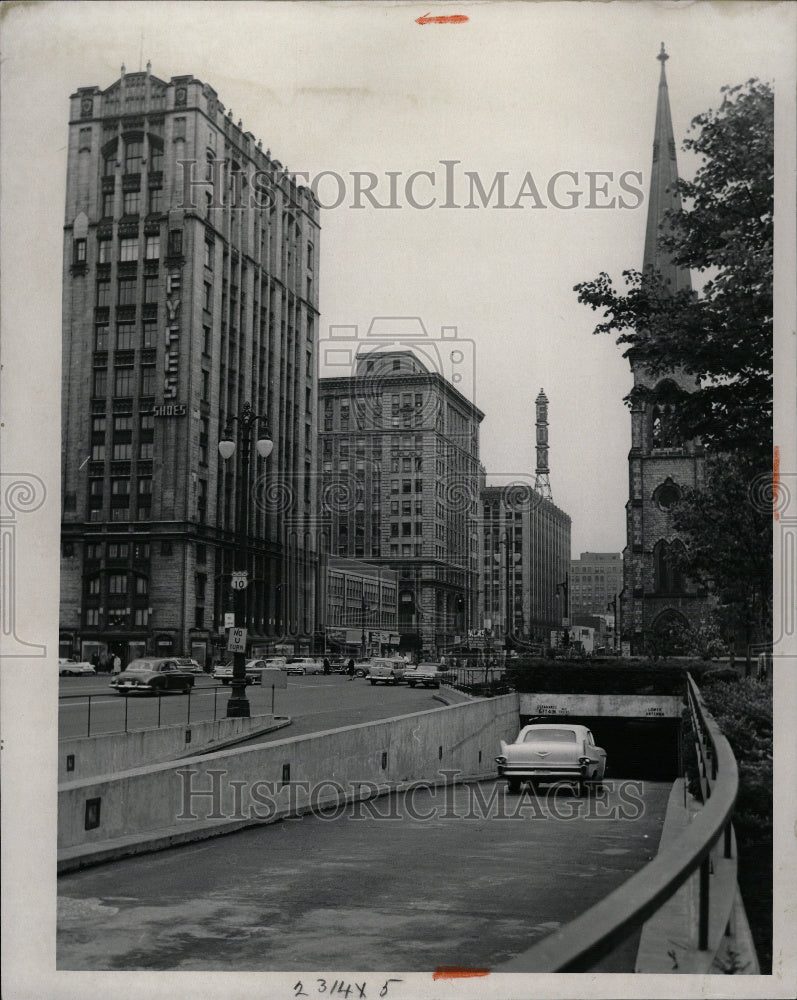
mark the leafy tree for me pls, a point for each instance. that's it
(723, 338)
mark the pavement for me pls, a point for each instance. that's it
(477, 881)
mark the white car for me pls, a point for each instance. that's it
(68, 668)
(188, 663)
(254, 672)
(277, 662)
(305, 665)
(549, 752)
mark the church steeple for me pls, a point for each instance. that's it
(663, 195)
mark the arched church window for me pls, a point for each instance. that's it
(666, 495)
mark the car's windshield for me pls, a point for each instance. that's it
(142, 665)
(550, 736)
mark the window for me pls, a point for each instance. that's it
(141, 616)
(208, 255)
(148, 380)
(207, 302)
(142, 586)
(127, 291)
(128, 249)
(206, 340)
(122, 423)
(92, 616)
(396, 364)
(101, 337)
(149, 337)
(98, 425)
(147, 424)
(124, 336)
(117, 583)
(145, 449)
(109, 165)
(145, 486)
(107, 204)
(103, 292)
(120, 487)
(151, 288)
(133, 157)
(79, 251)
(155, 201)
(122, 451)
(132, 203)
(152, 249)
(406, 486)
(97, 452)
(155, 159)
(93, 587)
(103, 251)
(100, 381)
(123, 382)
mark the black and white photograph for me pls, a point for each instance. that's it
(399, 499)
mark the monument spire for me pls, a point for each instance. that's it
(663, 195)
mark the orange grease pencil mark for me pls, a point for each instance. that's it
(442, 19)
(776, 482)
(457, 972)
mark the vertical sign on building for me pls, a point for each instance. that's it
(172, 356)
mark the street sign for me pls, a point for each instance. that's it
(240, 580)
(236, 640)
(229, 619)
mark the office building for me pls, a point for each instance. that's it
(596, 579)
(190, 287)
(399, 487)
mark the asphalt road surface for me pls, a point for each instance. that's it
(472, 884)
(314, 703)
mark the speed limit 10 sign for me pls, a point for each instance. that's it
(236, 640)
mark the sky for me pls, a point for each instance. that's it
(338, 89)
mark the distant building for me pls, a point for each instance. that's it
(183, 299)
(361, 607)
(525, 557)
(596, 579)
(399, 488)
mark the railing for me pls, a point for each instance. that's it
(151, 716)
(587, 939)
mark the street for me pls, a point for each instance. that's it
(314, 702)
(404, 882)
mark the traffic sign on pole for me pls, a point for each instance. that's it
(236, 640)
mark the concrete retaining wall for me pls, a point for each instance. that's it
(252, 784)
(90, 756)
(629, 706)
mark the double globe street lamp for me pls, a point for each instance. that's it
(247, 420)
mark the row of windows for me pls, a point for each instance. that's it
(133, 202)
(134, 158)
(127, 291)
(137, 617)
(118, 583)
(127, 336)
(124, 382)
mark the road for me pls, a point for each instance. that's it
(314, 703)
(473, 884)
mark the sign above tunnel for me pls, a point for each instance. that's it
(626, 706)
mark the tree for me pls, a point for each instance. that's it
(724, 233)
(723, 338)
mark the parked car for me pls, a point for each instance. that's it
(153, 674)
(304, 665)
(546, 752)
(386, 670)
(223, 672)
(429, 675)
(188, 663)
(69, 668)
(277, 662)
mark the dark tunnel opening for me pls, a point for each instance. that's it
(635, 748)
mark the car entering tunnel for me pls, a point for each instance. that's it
(644, 748)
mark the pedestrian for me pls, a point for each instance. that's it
(350, 669)
(327, 666)
(95, 659)
(117, 664)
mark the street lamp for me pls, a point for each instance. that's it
(238, 704)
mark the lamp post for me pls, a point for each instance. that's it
(238, 704)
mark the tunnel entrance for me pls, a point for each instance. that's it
(635, 748)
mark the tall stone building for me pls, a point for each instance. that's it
(399, 487)
(596, 579)
(190, 287)
(655, 594)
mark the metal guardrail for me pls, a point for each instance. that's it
(590, 937)
(149, 700)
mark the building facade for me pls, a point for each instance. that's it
(525, 558)
(596, 580)
(399, 488)
(656, 596)
(361, 607)
(190, 287)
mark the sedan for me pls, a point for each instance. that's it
(188, 663)
(254, 670)
(68, 668)
(549, 753)
(153, 675)
(304, 666)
